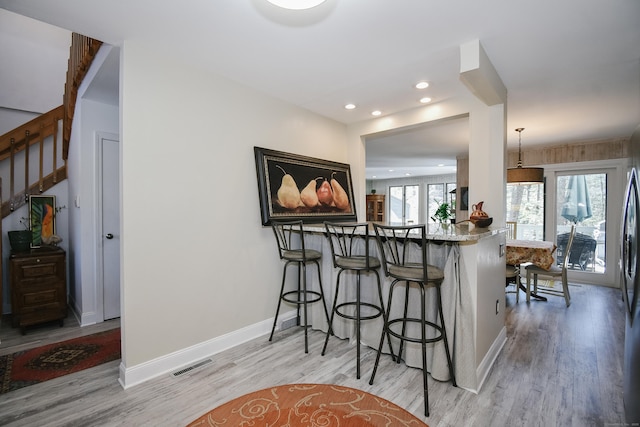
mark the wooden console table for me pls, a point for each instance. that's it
(38, 282)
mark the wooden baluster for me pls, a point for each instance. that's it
(55, 150)
(12, 174)
(41, 143)
(26, 165)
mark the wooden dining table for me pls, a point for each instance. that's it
(538, 252)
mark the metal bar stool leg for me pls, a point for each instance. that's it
(425, 374)
(385, 316)
(404, 322)
(385, 329)
(324, 303)
(304, 298)
(444, 339)
(333, 312)
(275, 319)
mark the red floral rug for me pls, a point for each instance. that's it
(301, 405)
(29, 367)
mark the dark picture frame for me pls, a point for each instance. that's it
(464, 199)
(42, 218)
(287, 191)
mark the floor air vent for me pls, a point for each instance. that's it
(191, 368)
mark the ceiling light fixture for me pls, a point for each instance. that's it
(296, 4)
(422, 85)
(520, 175)
(376, 113)
(350, 106)
(425, 100)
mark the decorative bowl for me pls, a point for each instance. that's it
(481, 222)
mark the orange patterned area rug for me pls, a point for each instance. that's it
(313, 405)
(36, 365)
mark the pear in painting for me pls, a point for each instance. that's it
(325, 194)
(288, 193)
(309, 196)
(340, 198)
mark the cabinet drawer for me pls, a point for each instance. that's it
(40, 314)
(42, 297)
(39, 268)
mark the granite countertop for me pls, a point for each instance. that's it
(453, 233)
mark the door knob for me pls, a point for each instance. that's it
(109, 236)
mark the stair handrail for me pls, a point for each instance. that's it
(40, 129)
(82, 52)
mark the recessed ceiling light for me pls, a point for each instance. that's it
(422, 85)
(376, 113)
(407, 174)
(425, 100)
(440, 165)
(390, 170)
(296, 4)
(350, 106)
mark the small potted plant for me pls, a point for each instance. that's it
(20, 240)
(443, 214)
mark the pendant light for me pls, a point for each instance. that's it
(520, 175)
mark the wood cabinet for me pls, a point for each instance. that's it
(38, 283)
(375, 208)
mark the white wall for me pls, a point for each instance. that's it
(196, 261)
(90, 118)
(34, 84)
(486, 147)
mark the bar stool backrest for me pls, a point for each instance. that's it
(290, 239)
(400, 258)
(348, 241)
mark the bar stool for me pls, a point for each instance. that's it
(406, 264)
(292, 250)
(350, 252)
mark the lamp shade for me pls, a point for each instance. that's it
(522, 175)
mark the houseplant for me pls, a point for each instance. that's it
(443, 214)
(20, 240)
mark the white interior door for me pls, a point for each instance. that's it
(110, 208)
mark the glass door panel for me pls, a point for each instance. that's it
(581, 199)
(404, 204)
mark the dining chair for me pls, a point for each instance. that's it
(292, 250)
(403, 250)
(350, 252)
(512, 272)
(553, 273)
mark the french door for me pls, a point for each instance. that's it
(588, 199)
(404, 204)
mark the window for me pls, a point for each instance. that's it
(404, 204)
(437, 194)
(525, 207)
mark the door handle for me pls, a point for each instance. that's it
(109, 236)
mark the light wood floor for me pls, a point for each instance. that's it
(560, 367)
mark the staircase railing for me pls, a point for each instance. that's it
(43, 132)
(47, 137)
(83, 51)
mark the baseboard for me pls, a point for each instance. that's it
(146, 371)
(483, 370)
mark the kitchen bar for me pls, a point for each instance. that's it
(473, 299)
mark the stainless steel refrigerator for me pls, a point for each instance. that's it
(630, 266)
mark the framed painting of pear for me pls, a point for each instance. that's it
(295, 187)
